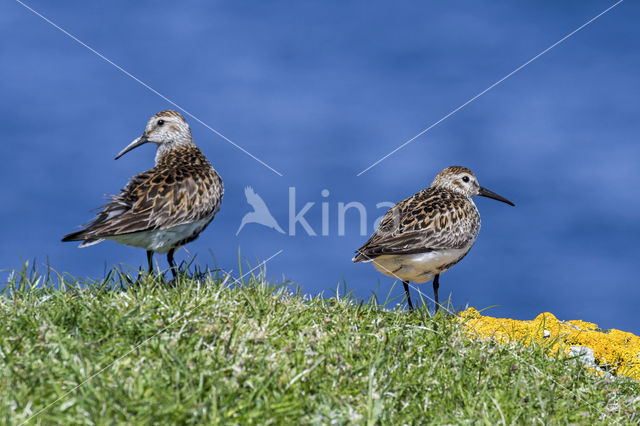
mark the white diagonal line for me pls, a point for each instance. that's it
(491, 87)
(140, 344)
(128, 74)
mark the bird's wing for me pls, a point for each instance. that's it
(157, 199)
(418, 225)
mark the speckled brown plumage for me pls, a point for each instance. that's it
(427, 233)
(181, 188)
(167, 206)
(432, 219)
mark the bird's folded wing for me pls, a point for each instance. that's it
(158, 201)
(406, 243)
(402, 231)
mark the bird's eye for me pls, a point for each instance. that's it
(465, 178)
(160, 122)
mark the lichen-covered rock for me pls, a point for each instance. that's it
(613, 351)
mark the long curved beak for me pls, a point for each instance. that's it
(136, 143)
(490, 194)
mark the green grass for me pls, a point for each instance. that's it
(254, 352)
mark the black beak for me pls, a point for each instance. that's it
(136, 143)
(490, 194)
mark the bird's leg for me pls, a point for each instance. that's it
(172, 263)
(141, 271)
(436, 284)
(150, 260)
(406, 290)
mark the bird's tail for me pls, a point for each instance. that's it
(359, 257)
(75, 236)
(82, 236)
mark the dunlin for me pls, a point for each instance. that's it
(167, 206)
(426, 234)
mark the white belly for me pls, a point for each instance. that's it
(418, 268)
(162, 240)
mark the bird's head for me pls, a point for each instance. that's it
(166, 129)
(462, 181)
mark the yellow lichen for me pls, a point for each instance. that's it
(615, 351)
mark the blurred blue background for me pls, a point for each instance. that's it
(319, 91)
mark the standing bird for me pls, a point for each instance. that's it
(165, 207)
(424, 235)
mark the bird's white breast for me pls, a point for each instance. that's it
(420, 267)
(162, 240)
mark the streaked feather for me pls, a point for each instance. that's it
(181, 188)
(432, 219)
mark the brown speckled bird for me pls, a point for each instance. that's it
(167, 206)
(426, 234)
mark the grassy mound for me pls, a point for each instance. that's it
(209, 350)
